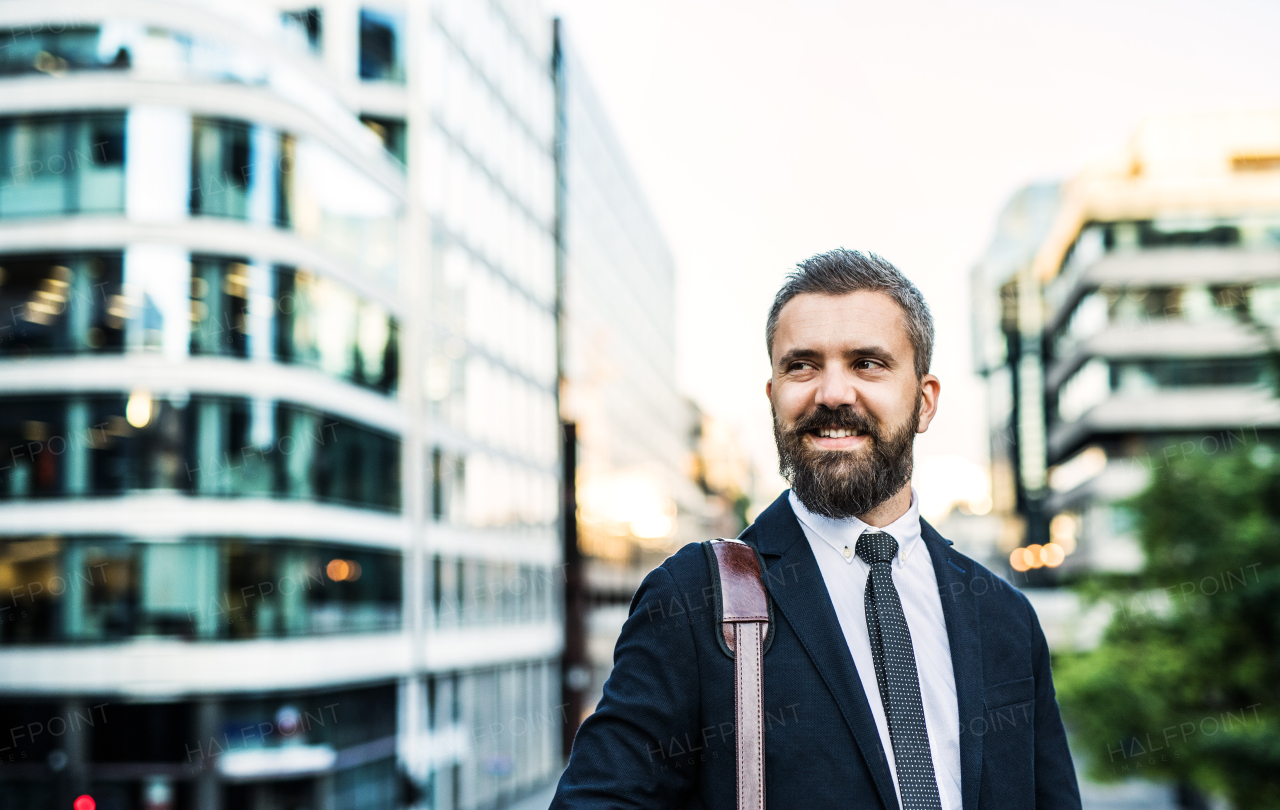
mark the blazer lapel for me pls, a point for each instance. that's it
(799, 592)
(960, 608)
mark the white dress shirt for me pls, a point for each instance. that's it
(834, 544)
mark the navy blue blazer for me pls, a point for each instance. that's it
(662, 736)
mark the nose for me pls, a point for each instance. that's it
(835, 388)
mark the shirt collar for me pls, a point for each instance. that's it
(844, 533)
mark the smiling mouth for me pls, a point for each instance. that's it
(836, 433)
(835, 440)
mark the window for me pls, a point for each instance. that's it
(219, 307)
(358, 467)
(61, 303)
(1085, 388)
(391, 131)
(23, 714)
(241, 172)
(309, 22)
(380, 49)
(469, 592)
(448, 475)
(62, 165)
(213, 446)
(74, 303)
(1088, 318)
(1179, 234)
(322, 589)
(371, 786)
(141, 732)
(319, 323)
(1141, 375)
(96, 589)
(1264, 302)
(220, 168)
(37, 49)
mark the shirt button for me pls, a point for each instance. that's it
(847, 553)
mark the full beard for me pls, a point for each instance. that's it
(845, 483)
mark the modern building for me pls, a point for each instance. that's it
(647, 478)
(1134, 322)
(1008, 362)
(278, 506)
(479, 103)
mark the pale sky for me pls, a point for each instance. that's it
(765, 132)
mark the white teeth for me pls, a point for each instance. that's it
(829, 433)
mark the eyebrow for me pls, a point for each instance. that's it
(874, 352)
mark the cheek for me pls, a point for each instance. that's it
(792, 400)
(888, 406)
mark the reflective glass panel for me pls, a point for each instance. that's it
(55, 48)
(216, 446)
(322, 324)
(220, 168)
(380, 48)
(61, 303)
(219, 306)
(98, 589)
(62, 164)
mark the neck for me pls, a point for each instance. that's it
(890, 510)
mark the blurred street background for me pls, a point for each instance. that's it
(358, 359)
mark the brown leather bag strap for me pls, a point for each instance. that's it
(744, 623)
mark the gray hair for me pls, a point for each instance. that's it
(842, 271)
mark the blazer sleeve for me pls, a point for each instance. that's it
(626, 754)
(1055, 777)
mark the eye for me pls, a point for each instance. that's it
(866, 364)
(800, 365)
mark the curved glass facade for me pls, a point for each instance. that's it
(75, 303)
(176, 269)
(84, 589)
(160, 246)
(100, 445)
(75, 163)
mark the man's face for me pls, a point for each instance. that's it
(846, 400)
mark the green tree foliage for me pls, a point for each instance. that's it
(1185, 685)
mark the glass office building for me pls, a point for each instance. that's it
(636, 437)
(279, 494)
(1126, 320)
(480, 151)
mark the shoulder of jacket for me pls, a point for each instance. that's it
(688, 565)
(1000, 592)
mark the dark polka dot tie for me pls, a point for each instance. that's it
(896, 676)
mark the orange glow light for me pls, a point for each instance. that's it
(338, 570)
(1033, 555)
(1018, 560)
(1052, 555)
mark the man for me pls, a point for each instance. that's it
(900, 673)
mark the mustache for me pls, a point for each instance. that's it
(844, 418)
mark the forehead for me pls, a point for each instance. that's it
(835, 323)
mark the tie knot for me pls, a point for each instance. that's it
(874, 547)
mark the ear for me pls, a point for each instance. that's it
(768, 389)
(930, 388)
